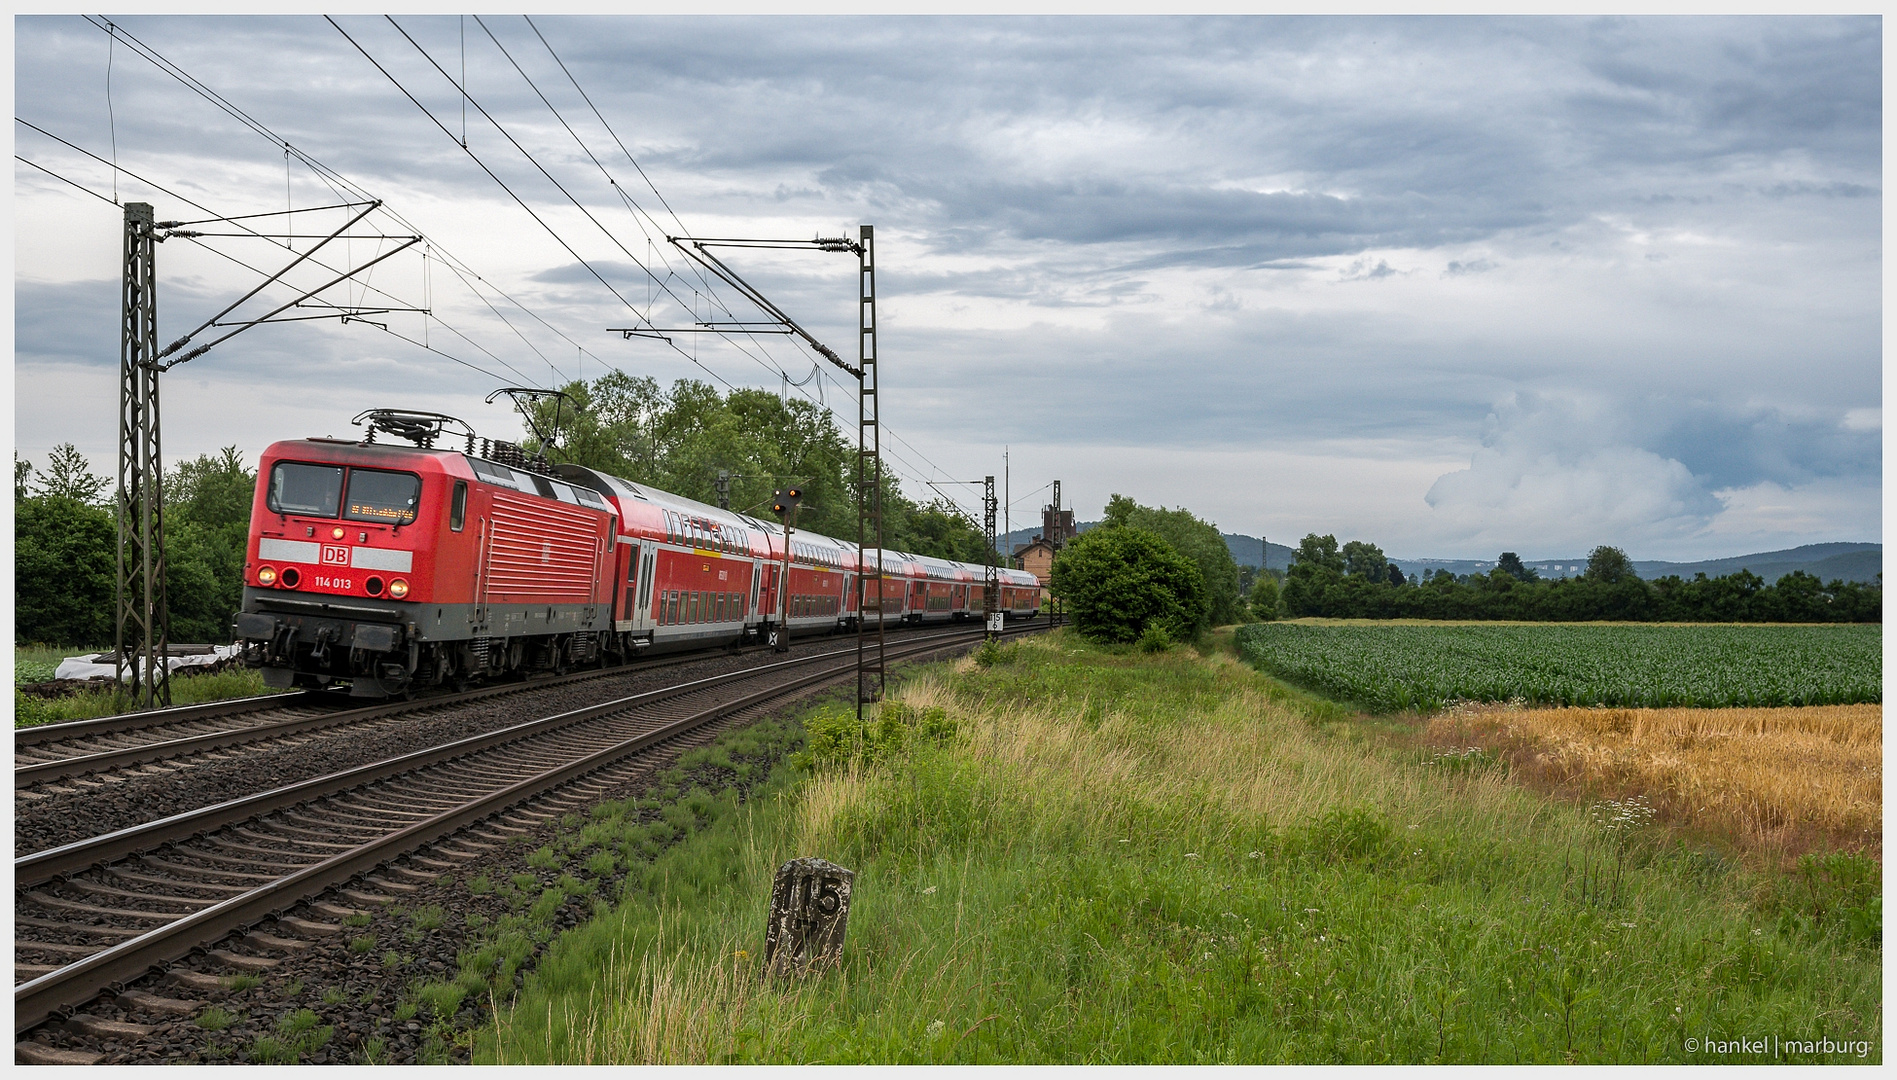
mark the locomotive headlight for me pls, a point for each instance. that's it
(398, 588)
(336, 533)
(266, 575)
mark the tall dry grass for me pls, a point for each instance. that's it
(1779, 781)
(1074, 768)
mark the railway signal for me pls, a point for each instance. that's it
(784, 503)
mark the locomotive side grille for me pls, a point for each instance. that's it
(541, 548)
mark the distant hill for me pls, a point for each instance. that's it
(1244, 551)
(1828, 562)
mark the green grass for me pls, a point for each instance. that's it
(1120, 858)
(1396, 667)
(37, 663)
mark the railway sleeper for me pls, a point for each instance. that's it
(360, 897)
(309, 926)
(137, 1001)
(259, 939)
(100, 1028)
(240, 962)
(33, 1053)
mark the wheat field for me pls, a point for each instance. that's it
(1780, 781)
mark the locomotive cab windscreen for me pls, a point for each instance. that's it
(376, 496)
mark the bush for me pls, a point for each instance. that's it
(1264, 600)
(1119, 581)
(1154, 639)
(1839, 892)
(836, 737)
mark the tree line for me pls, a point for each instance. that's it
(65, 557)
(1356, 581)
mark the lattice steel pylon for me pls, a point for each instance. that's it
(991, 588)
(871, 673)
(143, 632)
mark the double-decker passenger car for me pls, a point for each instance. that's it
(388, 567)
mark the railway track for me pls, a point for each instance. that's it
(54, 752)
(98, 914)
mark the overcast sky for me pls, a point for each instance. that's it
(1454, 286)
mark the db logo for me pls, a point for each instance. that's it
(335, 555)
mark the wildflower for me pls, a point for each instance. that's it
(935, 1028)
(1418, 851)
(929, 891)
(742, 956)
(1312, 910)
(1256, 855)
(1192, 854)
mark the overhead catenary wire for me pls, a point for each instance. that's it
(637, 211)
(476, 283)
(329, 177)
(216, 217)
(608, 233)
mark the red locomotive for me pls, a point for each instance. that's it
(390, 568)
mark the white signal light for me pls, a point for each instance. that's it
(336, 533)
(398, 588)
(266, 575)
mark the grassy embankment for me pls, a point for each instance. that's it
(38, 663)
(1086, 855)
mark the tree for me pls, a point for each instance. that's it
(1264, 600)
(1315, 568)
(1365, 560)
(1197, 540)
(207, 509)
(678, 440)
(1511, 564)
(68, 475)
(64, 560)
(1117, 581)
(1609, 565)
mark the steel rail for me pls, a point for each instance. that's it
(37, 738)
(120, 724)
(179, 714)
(67, 859)
(72, 985)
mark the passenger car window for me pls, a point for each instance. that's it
(305, 489)
(386, 497)
(458, 510)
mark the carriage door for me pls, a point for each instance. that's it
(646, 555)
(628, 560)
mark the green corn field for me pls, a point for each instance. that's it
(1390, 668)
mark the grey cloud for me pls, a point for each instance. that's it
(1083, 164)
